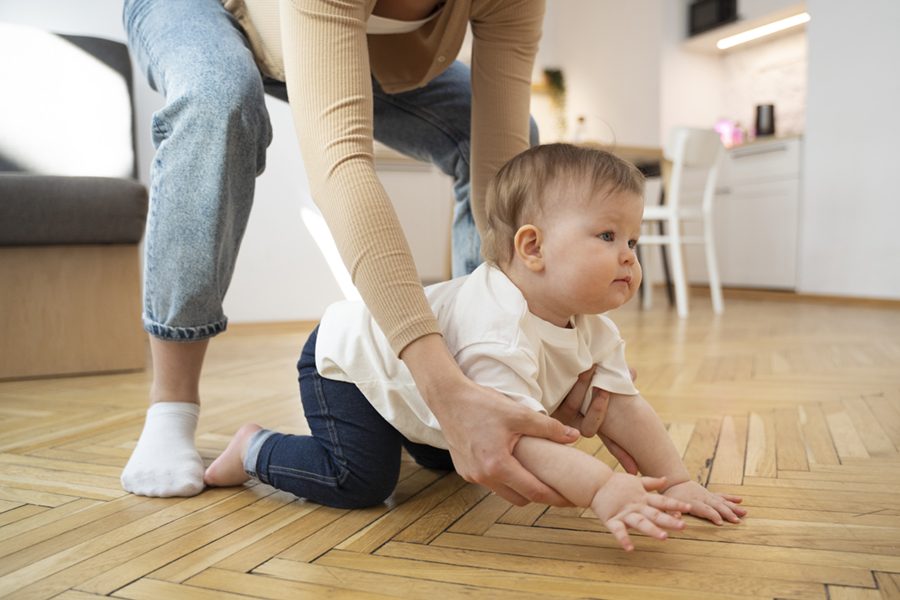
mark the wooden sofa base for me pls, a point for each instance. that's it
(68, 310)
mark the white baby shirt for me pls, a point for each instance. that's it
(497, 342)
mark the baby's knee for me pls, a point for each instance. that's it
(365, 491)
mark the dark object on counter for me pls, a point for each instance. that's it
(765, 119)
(704, 15)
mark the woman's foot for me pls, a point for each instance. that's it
(228, 469)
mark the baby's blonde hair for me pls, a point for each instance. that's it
(517, 194)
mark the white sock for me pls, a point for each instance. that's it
(165, 461)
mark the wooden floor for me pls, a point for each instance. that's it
(793, 404)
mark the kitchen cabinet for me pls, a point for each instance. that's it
(756, 216)
(751, 14)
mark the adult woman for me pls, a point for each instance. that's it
(211, 139)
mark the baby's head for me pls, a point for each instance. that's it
(562, 222)
(544, 178)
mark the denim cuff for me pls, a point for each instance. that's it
(184, 334)
(253, 448)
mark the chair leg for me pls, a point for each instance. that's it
(678, 275)
(712, 266)
(670, 294)
(646, 285)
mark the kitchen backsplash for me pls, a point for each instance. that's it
(773, 72)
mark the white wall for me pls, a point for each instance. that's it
(690, 82)
(280, 274)
(609, 54)
(849, 239)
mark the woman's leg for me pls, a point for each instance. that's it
(433, 124)
(210, 140)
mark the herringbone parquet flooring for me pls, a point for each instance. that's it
(793, 404)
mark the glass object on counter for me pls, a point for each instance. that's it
(731, 132)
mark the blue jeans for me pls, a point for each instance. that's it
(352, 458)
(211, 138)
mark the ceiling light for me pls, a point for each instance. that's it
(762, 31)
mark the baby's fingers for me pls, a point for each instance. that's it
(620, 532)
(662, 519)
(727, 510)
(639, 522)
(667, 503)
(705, 511)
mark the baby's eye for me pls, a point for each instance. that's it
(607, 236)
(632, 244)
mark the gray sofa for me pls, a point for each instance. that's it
(70, 227)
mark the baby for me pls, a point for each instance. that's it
(562, 227)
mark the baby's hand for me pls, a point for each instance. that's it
(708, 505)
(627, 501)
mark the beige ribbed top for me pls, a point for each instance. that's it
(321, 50)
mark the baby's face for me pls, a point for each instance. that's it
(589, 252)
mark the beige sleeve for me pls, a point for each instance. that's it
(329, 86)
(506, 35)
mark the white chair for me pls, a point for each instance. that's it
(688, 149)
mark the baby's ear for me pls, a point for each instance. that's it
(527, 247)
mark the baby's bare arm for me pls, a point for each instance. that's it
(572, 473)
(633, 424)
(618, 499)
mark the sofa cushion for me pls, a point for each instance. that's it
(52, 210)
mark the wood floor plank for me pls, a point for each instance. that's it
(777, 533)
(39, 516)
(698, 457)
(442, 516)
(266, 586)
(403, 516)
(699, 555)
(274, 544)
(6, 505)
(592, 564)
(151, 589)
(480, 518)
(19, 512)
(887, 412)
(680, 433)
(236, 542)
(118, 538)
(836, 592)
(728, 466)
(761, 445)
(888, 585)
(819, 445)
(338, 530)
(846, 437)
(874, 438)
(491, 582)
(790, 451)
(224, 519)
(365, 572)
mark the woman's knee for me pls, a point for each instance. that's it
(223, 100)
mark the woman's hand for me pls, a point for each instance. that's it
(588, 424)
(482, 426)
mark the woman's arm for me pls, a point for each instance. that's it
(329, 84)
